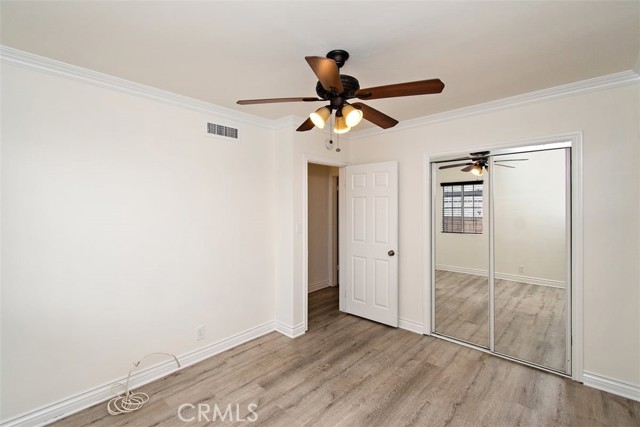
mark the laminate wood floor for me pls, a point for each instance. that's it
(530, 320)
(347, 371)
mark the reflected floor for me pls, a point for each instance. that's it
(462, 309)
(530, 319)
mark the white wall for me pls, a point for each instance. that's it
(294, 150)
(530, 217)
(609, 121)
(123, 228)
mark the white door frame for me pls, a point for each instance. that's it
(577, 231)
(319, 160)
(334, 181)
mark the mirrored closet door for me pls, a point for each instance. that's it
(501, 253)
(530, 217)
(462, 256)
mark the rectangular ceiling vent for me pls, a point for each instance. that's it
(220, 130)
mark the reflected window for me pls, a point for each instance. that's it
(462, 207)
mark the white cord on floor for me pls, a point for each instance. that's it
(129, 401)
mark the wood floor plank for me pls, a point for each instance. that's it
(347, 371)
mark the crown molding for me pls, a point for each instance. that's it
(40, 63)
(584, 86)
(291, 121)
(285, 122)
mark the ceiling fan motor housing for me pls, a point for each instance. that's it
(351, 86)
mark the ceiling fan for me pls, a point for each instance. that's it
(479, 162)
(338, 89)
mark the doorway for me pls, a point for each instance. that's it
(322, 233)
(322, 223)
(368, 215)
(502, 253)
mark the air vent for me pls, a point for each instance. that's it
(220, 130)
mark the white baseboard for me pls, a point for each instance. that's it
(318, 285)
(290, 331)
(504, 276)
(465, 270)
(610, 385)
(65, 407)
(531, 280)
(411, 326)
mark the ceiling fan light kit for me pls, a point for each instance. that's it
(352, 115)
(341, 124)
(338, 89)
(477, 170)
(320, 116)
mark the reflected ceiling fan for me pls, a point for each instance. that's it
(338, 89)
(479, 162)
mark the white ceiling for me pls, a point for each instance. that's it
(224, 51)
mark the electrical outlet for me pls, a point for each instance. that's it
(521, 269)
(199, 332)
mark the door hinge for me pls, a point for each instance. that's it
(337, 267)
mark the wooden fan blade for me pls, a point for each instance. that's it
(504, 166)
(468, 168)
(510, 160)
(327, 72)
(457, 165)
(422, 87)
(305, 126)
(376, 117)
(273, 100)
(464, 159)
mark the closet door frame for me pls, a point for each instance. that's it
(573, 141)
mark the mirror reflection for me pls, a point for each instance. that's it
(531, 262)
(528, 242)
(461, 254)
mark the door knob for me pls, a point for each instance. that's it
(391, 253)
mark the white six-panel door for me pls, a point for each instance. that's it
(370, 242)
